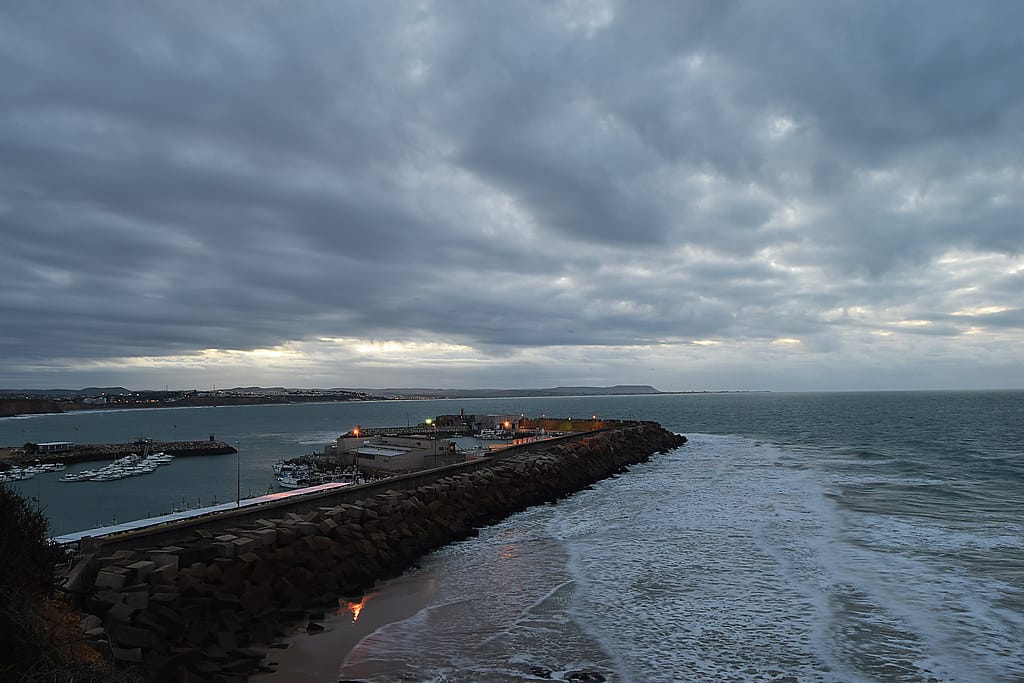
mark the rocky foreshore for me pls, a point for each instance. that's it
(209, 607)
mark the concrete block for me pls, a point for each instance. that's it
(165, 598)
(131, 637)
(91, 621)
(142, 568)
(166, 556)
(316, 544)
(224, 548)
(214, 573)
(121, 613)
(139, 599)
(163, 575)
(307, 528)
(150, 622)
(109, 597)
(264, 537)
(249, 558)
(244, 544)
(111, 577)
(78, 578)
(126, 555)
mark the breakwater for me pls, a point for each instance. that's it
(207, 604)
(113, 451)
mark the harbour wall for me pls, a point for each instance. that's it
(113, 451)
(297, 502)
(206, 606)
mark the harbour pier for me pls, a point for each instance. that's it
(205, 596)
(68, 453)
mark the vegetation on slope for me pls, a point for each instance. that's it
(40, 636)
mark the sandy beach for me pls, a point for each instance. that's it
(318, 657)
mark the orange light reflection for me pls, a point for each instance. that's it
(351, 606)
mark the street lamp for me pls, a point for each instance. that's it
(430, 422)
(238, 476)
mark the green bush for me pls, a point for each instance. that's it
(27, 563)
(40, 638)
(27, 555)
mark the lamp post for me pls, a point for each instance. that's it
(430, 422)
(238, 476)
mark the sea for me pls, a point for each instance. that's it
(795, 537)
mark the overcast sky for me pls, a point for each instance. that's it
(721, 195)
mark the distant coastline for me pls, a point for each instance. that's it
(15, 402)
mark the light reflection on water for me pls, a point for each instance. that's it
(353, 607)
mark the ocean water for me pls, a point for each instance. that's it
(807, 537)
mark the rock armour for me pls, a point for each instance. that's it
(208, 608)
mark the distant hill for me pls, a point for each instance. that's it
(618, 390)
(69, 393)
(279, 394)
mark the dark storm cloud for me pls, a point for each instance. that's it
(177, 177)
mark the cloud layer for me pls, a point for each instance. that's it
(692, 195)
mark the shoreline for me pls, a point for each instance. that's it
(320, 657)
(54, 407)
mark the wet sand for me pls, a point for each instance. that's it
(317, 658)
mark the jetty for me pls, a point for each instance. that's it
(68, 452)
(204, 597)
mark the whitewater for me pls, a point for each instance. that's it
(729, 560)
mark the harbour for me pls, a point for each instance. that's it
(854, 517)
(262, 435)
(301, 551)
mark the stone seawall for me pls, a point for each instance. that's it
(206, 608)
(113, 451)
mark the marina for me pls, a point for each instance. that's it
(129, 466)
(21, 473)
(294, 475)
